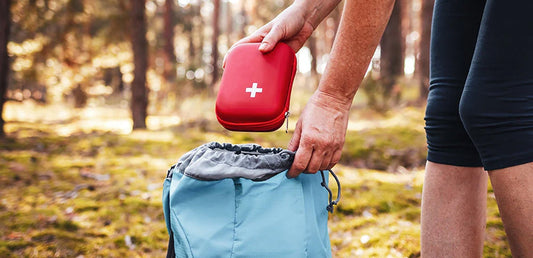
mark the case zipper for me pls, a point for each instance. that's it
(260, 125)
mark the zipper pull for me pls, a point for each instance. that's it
(287, 114)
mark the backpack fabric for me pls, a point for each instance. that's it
(225, 200)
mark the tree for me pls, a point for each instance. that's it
(423, 57)
(139, 44)
(392, 57)
(336, 16)
(170, 57)
(229, 23)
(243, 20)
(214, 46)
(5, 24)
(311, 43)
(201, 33)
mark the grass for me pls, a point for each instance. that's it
(97, 193)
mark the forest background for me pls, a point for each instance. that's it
(99, 98)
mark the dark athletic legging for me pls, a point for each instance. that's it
(480, 104)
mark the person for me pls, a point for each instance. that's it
(479, 113)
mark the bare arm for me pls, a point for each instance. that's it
(321, 129)
(360, 31)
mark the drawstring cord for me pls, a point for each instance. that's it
(331, 203)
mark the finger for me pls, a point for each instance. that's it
(271, 39)
(314, 162)
(295, 140)
(300, 161)
(255, 37)
(335, 159)
(326, 160)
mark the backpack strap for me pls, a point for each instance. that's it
(171, 253)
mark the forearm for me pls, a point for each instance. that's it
(316, 10)
(360, 30)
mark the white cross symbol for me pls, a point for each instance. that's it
(254, 90)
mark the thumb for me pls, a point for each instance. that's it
(295, 140)
(271, 39)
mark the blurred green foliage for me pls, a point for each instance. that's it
(98, 194)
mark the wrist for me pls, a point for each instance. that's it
(337, 87)
(316, 10)
(333, 99)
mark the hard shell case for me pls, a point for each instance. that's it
(255, 89)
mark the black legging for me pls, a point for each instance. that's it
(480, 103)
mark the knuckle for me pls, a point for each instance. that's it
(313, 167)
(299, 166)
(311, 170)
(335, 160)
(306, 145)
(321, 143)
(313, 142)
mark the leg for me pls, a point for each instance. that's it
(514, 194)
(497, 111)
(455, 186)
(453, 211)
(453, 40)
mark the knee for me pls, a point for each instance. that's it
(467, 112)
(441, 116)
(474, 112)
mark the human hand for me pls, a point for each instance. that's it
(290, 26)
(319, 135)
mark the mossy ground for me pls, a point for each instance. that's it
(98, 194)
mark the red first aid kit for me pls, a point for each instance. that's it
(255, 88)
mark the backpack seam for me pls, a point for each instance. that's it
(182, 231)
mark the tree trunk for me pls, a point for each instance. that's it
(336, 15)
(392, 58)
(191, 50)
(5, 24)
(214, 46)
(120, 82)
(139, 91)
(201, 37)
(423, 58)
(80, 97)
(229, 24)
(170, 57)
(244, 20)
(194, 32)
(311, 43)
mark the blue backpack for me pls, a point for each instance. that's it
(224, 200)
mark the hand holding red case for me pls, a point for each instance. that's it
(255, 88)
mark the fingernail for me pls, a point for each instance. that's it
(263, 46)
